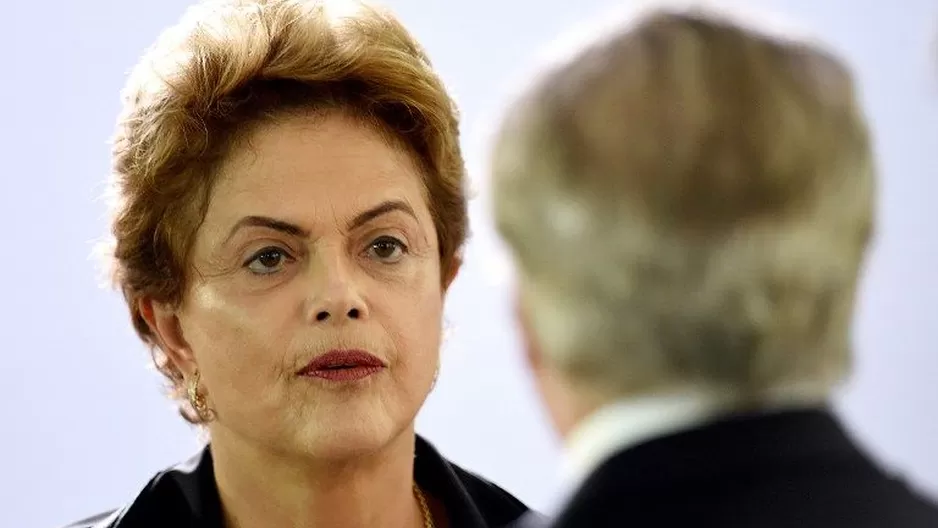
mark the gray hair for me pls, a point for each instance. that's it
(689, 201)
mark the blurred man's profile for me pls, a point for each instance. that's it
(689, 200)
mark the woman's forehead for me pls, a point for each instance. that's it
(317, 169)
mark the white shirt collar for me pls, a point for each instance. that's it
(626, 423)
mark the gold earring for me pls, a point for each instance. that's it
(197, 399)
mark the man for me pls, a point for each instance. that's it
(689, 200)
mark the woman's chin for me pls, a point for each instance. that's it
(326, 430)
(350, 439)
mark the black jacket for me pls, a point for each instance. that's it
(786, 470)
(185, 496)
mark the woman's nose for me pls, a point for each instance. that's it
(335, 295)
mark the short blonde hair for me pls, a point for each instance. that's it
(689, 201)
(232, 64)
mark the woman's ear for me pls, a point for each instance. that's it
(164, 323)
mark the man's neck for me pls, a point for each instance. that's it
(623, 423)
(263, 489)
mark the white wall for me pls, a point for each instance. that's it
(84, 424)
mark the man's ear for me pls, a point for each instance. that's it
(163, 322)
(532, 350)
(452, 272)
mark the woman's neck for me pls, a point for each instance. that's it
(259, 488)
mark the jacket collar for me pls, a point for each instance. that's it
(742, 444)
(187, 496)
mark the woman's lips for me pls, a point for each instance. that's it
(343, 365)
(344, 373)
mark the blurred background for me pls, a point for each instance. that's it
(84, 422)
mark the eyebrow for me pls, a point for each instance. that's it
(294, 230)
(379, 210)
(269, 223)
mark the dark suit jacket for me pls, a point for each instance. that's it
(786, 470)
(186, 497)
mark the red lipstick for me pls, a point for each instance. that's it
(343, 365)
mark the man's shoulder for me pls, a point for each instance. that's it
(800, 467)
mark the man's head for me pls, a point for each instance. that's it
(688, 201)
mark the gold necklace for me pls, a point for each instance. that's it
(424, 509)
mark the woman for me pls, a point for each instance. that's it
(291, 210)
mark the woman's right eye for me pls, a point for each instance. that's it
(267, 261)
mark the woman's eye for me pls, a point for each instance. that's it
(387, 249)
(267, 261)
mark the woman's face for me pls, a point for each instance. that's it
(317, 240)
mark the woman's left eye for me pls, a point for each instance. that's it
(387, 249)
(267, 261)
